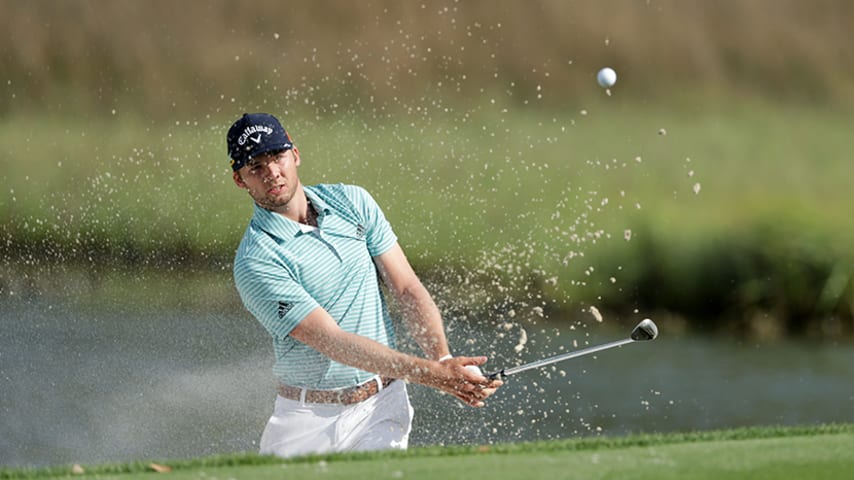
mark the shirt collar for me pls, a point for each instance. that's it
(320, 205)
(283, 227)
(274, 224)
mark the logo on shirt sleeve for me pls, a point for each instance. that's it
(360, 231)
(284, 308)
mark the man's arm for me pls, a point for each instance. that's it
(420, 313)
(320, 331)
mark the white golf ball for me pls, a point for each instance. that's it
(606, 77)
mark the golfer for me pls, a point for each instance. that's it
(309, 269)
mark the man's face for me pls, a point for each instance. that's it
(271, 179)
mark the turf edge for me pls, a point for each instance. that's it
(578, 444)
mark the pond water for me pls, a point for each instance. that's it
(95, 386)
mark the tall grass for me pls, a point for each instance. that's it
(151, 57)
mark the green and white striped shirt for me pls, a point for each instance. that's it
(283, 270)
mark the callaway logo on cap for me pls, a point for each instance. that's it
(255, 134)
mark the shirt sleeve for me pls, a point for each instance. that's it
(379, 235)
(270, 291)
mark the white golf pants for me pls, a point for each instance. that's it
(379, 423)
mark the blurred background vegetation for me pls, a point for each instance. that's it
(709, 185)
(162, 60)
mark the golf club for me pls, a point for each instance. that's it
(644, 331)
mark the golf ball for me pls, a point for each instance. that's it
(606, 77)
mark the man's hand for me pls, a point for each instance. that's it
(461, 377)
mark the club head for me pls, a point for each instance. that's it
(645, 330)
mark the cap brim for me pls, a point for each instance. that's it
(270, 148)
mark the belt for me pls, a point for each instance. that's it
(345, 396)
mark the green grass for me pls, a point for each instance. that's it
(814, 452)
(462, 182)
(496, 202)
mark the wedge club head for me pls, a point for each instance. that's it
(645, 330)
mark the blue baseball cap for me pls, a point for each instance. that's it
(254, 134)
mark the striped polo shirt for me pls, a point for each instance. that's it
(283, 270)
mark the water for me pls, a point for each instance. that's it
(83, 385)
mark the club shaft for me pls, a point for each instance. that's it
(560, 358)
